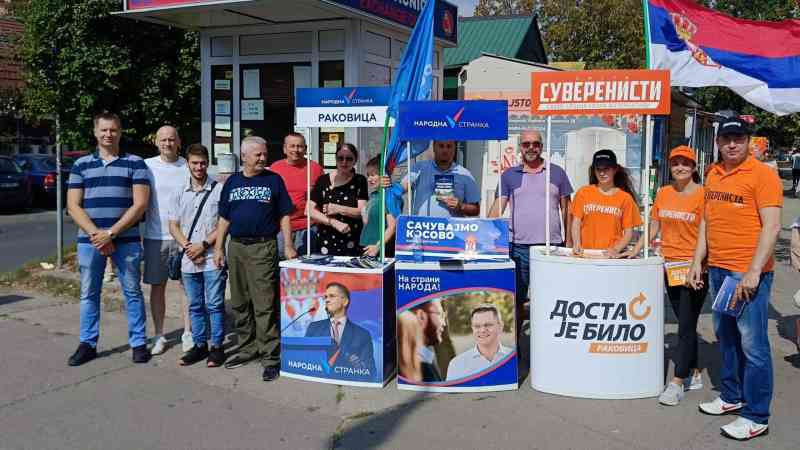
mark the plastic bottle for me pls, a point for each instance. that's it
(416, 249)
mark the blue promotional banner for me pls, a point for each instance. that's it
(433, 238)
(334, 325)
(475, 304)
(459, 120)
(350, 107)
(406, 12)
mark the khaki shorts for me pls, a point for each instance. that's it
(156, 258)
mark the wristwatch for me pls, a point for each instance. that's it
(206, 245)
(110, 233)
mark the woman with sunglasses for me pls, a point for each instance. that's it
(677, 213)
(604, 212)
(337, 201)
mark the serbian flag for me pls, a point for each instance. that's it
(701, 47)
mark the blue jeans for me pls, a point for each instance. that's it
(206, 293)
(127, 263)
(521, 254)
(300, 242)
(746, 373)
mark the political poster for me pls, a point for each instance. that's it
(434, 238)
(457, 120)
(335, 327)
(456, 327)
(349, 107)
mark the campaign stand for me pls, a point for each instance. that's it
(448, 268)
(604, 336)
(365, 353)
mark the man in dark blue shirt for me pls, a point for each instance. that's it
(253, 207)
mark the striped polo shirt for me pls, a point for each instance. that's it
(108, 190)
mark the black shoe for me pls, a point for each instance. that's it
(216, 356)
(194, 355)
(270, 373)
(82, 355)
(140, 354)
(239, 361)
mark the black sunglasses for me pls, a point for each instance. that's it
(534, 144)
(345, 158)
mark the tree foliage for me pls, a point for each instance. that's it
(80, 60)
(610, 34)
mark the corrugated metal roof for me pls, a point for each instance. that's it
(508, 36)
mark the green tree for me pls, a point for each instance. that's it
(80, 60)
(503, 7)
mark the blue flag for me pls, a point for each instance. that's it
(414, 81)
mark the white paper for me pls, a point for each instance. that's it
(222, 107)
(222, 148)
(253, 109)
(302, 77)
(329, 160)
(222, 85)
(252, 83)
(222, 123)
(223, 134)
(332, 83)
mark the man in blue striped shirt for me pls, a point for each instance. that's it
(107, 196)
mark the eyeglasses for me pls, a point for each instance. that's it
(534, 144)
(345, 158)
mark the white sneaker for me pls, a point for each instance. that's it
(717, 407)
(672, 395)
(159, 345)
(694, 382)
(743, 429)
(186, 341)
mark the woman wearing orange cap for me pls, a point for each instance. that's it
(604, 212)
(677, 213)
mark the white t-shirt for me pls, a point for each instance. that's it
(166, 179)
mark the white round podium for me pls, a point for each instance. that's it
(597, 325)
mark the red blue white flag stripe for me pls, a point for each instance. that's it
(701, 47)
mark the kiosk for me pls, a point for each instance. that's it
(601, 337)
(453, 275)
(361, 350)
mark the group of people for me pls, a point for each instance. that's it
(726, 228)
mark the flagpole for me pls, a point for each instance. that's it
(547, 190)
(648, 155)
(381, 191)
(646, 16)
(410, 184)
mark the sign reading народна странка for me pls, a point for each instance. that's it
(435, 238)
(459, 120)
(351, 107)
(601, 92)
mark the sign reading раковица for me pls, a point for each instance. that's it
(350, 107)
(588, 92)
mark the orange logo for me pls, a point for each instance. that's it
(638, 300)
(686, 30)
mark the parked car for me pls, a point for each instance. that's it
(41, 171)
(15, 188)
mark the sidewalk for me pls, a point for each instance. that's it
(112, 404)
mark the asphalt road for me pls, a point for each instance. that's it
(30, 236)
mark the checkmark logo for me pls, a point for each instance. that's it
(452, 121)
(349, 97)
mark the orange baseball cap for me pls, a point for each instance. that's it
(685, 151)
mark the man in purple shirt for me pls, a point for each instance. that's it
(523, 187)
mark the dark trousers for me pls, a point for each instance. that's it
(255, 299)
(795, 177)
(687, 304)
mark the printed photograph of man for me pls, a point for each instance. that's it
(352, 349)
(432, 322)
(487, 327)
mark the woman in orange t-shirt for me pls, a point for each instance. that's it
(604, 212)
(677, 213)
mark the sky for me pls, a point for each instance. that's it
(465, 7)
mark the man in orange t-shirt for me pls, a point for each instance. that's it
(295, 170)
(744, 198)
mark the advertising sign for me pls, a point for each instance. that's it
(434, 238)
(350, 107)
(759, 145)
(453, 120)
(334, 325)
(601, 92)
(609, 325)
(405, 12)
(475, 305)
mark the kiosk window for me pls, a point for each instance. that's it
(221, 110)
(267, 102)
(331, 75)
(222, 46)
